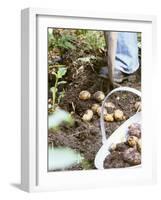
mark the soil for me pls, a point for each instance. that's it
(85, 137)
(116, 158)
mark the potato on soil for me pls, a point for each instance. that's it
(99, 111)
(119, 115)
(95, 106)
(88, 115)
(109, 105)
(84, 95)
(132, 156)
(109, 117)
(99, 96)
(132, 141)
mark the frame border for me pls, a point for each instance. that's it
(29, 148)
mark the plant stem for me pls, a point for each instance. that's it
(54, 92)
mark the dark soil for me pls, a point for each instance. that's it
(85, 137)
(126, 154)
(116, 158)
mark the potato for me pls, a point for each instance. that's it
(88, 115)
(84, 95)
(99, 111)
(119, 115)
(109, 117)
(135, 130)
(109, 105)
(95, 106)
(139, 145)
(99, 96)
(112, 147)
(138, 106)
(132, 141)
(132, 156)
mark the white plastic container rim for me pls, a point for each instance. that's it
(119, 134)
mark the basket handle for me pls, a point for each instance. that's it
(120, 89)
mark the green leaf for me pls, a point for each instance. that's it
(61, 72)
(58, 117)
(53, 89)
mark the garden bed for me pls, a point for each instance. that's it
(85, 137)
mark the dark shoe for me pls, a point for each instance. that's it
(119, 76)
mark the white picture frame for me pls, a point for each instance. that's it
(34, 175)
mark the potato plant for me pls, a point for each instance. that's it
(58, 75)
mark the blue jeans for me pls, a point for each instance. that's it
(127, 52)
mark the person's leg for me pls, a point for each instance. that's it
(127, 52)
(126, 56)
